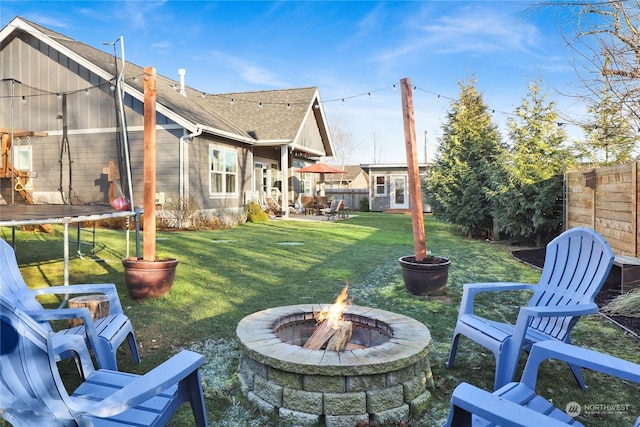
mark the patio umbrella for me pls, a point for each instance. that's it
(321, 168)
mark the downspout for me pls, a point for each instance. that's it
(184, 139)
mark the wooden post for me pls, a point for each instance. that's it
(149, 232)
(415, 189)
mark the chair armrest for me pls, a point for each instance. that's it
(575, 355)
(525, 314)
(560, 311)
(142, 388)
(61, 344)
(108, 289)
(467, 400)
(470, 290)
(69, 313)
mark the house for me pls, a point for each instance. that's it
(388, 186)
(353, 177)
(86, 105)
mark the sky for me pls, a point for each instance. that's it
(354, 52)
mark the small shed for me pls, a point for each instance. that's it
(389, 186)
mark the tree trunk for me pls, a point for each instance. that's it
(98, 306)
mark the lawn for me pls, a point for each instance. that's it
(225, 275)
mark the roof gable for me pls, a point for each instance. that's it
(279, 119)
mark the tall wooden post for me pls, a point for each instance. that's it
(415, 189)
(149, 232)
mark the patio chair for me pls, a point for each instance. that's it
(308, 204)
(332, 211)
(273, 207)
(104, 335)
(518, 404)
(32, 391)
(322, 202)
(576, 265)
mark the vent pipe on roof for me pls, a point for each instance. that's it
(182, 72)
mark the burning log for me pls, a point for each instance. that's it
(341, 337)
(331, 328)
(335, 338)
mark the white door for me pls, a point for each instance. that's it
(399, 195)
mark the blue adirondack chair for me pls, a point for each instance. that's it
(576, 265)
(104, 335)
(517, 404)
(32, 392)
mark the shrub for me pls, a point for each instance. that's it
(255, 213)
(363, 204)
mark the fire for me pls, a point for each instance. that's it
(333, 316)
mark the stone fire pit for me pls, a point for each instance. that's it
(386, 381)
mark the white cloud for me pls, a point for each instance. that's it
(251, 73)
(475, 30)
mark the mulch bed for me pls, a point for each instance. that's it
(535, 258)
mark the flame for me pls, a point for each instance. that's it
(334, 314)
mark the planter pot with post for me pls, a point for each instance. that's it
(423, 274)
(427, 277)
(149, 277)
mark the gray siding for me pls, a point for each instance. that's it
(310, 136)
(199, 174)
(43, 73)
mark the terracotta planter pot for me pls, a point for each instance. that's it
(428, 277)
(149, 279)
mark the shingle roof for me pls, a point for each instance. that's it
(266, 115)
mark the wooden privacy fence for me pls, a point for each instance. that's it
(606, 199)
(351, 196)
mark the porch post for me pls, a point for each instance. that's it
(284, 164)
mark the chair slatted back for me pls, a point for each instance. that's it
(12, 285)
(29, 392)
(576, 266)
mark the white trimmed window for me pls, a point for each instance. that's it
(380, 185)
(223, 172)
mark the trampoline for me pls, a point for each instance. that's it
(19, 215)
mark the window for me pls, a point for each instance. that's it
(224, 171)
(22, 157)
(380, 187)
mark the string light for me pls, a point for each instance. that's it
(261, 104)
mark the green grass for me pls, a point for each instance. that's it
(225, 275)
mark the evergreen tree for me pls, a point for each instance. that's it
(610, 139)
(457, 184)
(527, 186)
